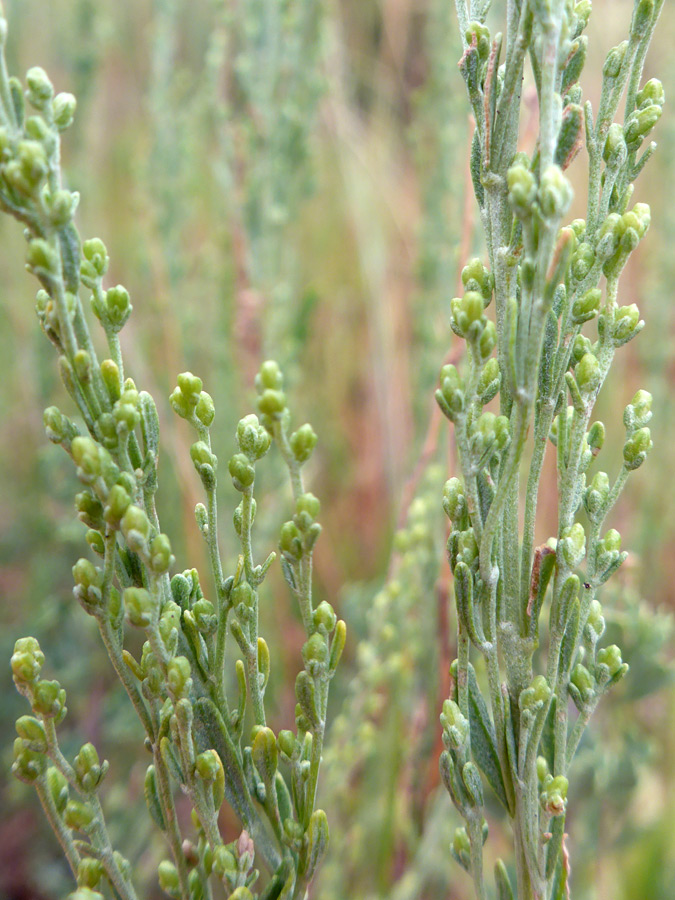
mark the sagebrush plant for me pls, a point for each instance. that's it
(531, 615)
(545, 280)
(209, 745)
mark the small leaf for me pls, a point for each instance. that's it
(483, 741)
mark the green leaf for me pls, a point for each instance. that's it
(211, 733)
(504, 889)
(483, 741)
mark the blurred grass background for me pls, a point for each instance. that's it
(289, 179)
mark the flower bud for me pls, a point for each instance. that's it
(583, 681)
(265, 755)
(595, 438)
(487, 341)
(615, 151)
(554, 795)
(179, 679)
(482, 36)
(135, 527)
(455, 726)
(95, 259)
(117, 504)
(243, 595)
(118, 307)
(167, 875)
(85, 893)
(475, 277)
(303, 442)
(205, 409)
(640, 123)
(489, 381)
(596, 495)
(572, 545)
(465, 312)
(62, 205)
(636, 448)
(522, 190)
(205, 616)
(57, 785)
(450, 397)
(89, 873)
(626, 325)
(252, 439)
(614, 60)
(63, 110)
(241, 470)
(611, 658)
(41, 259)
(208, 766)
(88, 768)
(555, 193)
(27, 660)
(461, 847)
(88, 582)
(536, 694)
(582, 260)
(49, 700)
(587, 373)
(28, 765)
(587, 306)
(595, 622)
(272, 403)
(315, 653)
(32, 732)
(308, 505)
(269, 377)
(639, 410)
(324, 617)
(289, 541)
(224, 861)
(651, 93)
(40, 89)
(454, 501)
(161, 558)
(140, 606)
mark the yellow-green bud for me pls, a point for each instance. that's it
(27, 660)
(78, 816)
(269, 377)
(572, 545)
(49, 700)
(89, 872)
(636, 448)
(587, 373)
(272, 403)
(89, 770)
(63, 110)
(241, 470)
(57, 785)
(161, 558)
(32, 732)
(140, 606)
(205, 409)
(324, 617)
(179, 678)
(168, 878)
(303, 441)
(28, 765)
(252, 439)
(522, 190)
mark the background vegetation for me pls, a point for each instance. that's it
(289, 178)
